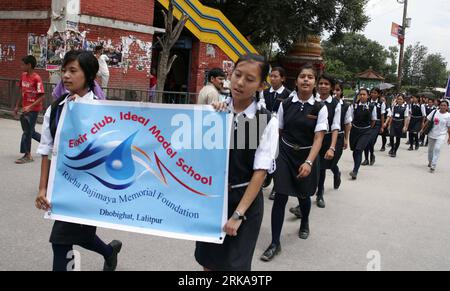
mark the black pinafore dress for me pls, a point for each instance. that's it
(297, 138)
(361, 132)
(398, 121)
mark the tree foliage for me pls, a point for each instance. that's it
(285, 21)
(357, 53)
(435, 71)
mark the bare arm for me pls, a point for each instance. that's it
(41, 200)
(252, 191)
(348, 128)
(305, 169)
(330, 153)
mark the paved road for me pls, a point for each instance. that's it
(396, 208)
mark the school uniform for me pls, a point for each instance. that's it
(417, 114)
(398, 114)
(334, 123)
(299, 121)
(273, 98)
(63, 233)
(236, 253)
(361, 133)
(345, 118)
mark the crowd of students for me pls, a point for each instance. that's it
(310, 126)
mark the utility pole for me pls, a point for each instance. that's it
(402, 44)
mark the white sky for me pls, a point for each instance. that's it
(430, 23)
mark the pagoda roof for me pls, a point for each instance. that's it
(370, 74)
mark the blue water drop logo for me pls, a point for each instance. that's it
(119, 163)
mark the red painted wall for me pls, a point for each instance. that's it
(40, 5)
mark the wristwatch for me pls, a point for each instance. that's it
(237, 216)
(309, 163)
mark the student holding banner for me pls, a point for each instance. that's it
(248, 168)
(79, 69)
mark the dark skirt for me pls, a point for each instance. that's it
(375, 131)
(66, 233)
(236, 253)
(360, 138)
(415, 125)
(397, 129)
(339, 149)
(288, 163)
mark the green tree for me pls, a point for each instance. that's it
(285, 21)
(435, 71)
(391, 68)
(357, 53)
(407, 65)
(338, 69)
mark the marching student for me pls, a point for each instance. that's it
(303, 123)
(329, 143)
(272, 98)
(79, 69)
(417, 114)
(385, 128)
(375, 95)
(364, 116)
(429, 107)
(440, 131)
(247, 170)
(398, 123)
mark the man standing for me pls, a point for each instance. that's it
(103, 71)
(211, 92)
(32, 93)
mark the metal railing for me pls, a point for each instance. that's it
(10, 93)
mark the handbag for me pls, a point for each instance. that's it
(429, 125)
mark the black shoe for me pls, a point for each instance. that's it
(353, 175)
(421, 144)
(303, 233)
(271, 252)
(372, 160)
(417, 147)
(337, 181)
(391, 152)
(111, 262)
(320, 201)
(394, 155)
(410, 148)
(272, 195)
(296, 211)
(383, 149)
(365, 163)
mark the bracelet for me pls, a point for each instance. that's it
(333, 149)
(309, 163)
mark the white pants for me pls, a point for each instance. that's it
(105, 80)
(434, 150)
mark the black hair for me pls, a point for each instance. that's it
(363, 89)
(280, 70)
(444, 100)
(378, 90)
(315, 73)
(216, 72)
(30, 60)
(263, 64)
(330, 79)
(98, 48)
(88, 64)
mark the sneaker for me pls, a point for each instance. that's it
(296, 211)
(270, 252)
(111, 262)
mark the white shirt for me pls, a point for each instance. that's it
(322, 119)
(374, 111)
(441, 125)
(336, 125)
(266, 152)
(348, 114)
(262, 100)
(45, 147)
(383, 106)
(423, 107)
(208, 95)
(103, 65)
(391, 112)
